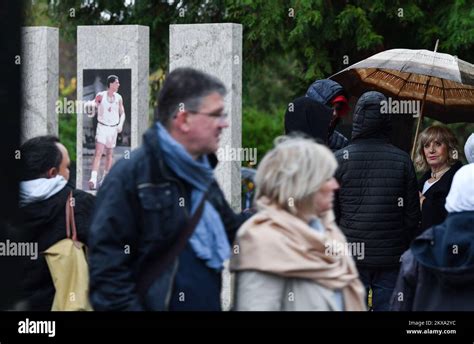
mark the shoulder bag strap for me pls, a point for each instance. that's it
(70, 222)
(162, 260)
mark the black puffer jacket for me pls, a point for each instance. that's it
(378, 202)
(337, 141)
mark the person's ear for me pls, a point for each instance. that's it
(182, 121)
(52, 172)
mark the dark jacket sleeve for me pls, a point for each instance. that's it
(412, 211)
(337, 141)
(232, 221)
(112, 241)
(83, 210)
(337, 207)
(404, 292)
(337, 203)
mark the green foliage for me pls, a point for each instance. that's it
(457, 28)
(269, 87)
(287, 43)
(261, 129)
(355, 17)
(67, 121)
(67, 133)
(37, 13)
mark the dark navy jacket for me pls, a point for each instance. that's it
(322, 91)
(437, 273)
(138, 213)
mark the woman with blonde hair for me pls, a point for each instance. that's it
(437, 154)
(290, 255)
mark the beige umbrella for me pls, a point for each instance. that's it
(443, 83)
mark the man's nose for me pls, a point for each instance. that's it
(224, 123)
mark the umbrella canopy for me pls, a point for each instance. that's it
(444, 82)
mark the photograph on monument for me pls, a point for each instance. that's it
(106, 122)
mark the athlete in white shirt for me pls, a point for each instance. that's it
(110, 120)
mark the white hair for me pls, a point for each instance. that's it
(293, 171)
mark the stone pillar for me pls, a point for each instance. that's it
(113, 49)
(216, 49)
(39, 60)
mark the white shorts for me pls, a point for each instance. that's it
(106, 135)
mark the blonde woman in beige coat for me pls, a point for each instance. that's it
(290, 256)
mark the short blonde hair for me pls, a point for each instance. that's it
(293, 171)
(436, 133)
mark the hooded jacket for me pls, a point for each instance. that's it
(44, 222)
(309, 117)
(469, 149)
(377, 203)
(322, 91)
(437, 272)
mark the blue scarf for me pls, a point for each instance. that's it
(209, 240)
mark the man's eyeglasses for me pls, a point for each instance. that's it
(218, 116)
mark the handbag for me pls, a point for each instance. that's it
(69, 270)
